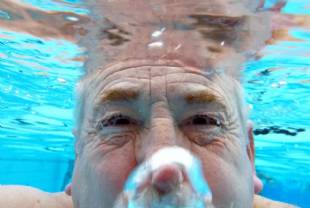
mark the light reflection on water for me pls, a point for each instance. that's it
(38, 72)
(198, 33)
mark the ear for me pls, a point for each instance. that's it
(68, 189)
(258, 185)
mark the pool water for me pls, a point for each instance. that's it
(39, 69)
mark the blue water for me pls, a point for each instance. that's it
(38, 75)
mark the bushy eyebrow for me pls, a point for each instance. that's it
(193, 97)
(203, 96)
(119, 94)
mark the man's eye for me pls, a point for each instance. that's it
(116, 120)
(203, 120)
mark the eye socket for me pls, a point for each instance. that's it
(203, 120)
(117, 120)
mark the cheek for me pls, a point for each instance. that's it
(221, 177)
(102, 173)
(115, 167)
(226, 173)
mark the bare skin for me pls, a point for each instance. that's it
(49, 25)
(27, 197)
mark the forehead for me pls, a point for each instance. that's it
(176, 82)
(128, 80)
(135, 73)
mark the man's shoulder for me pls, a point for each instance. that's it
(28, 197)
(262, 202)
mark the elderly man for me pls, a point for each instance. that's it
(135, 108)
(132, 109)
(165, 79)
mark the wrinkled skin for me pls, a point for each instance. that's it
(160, 110)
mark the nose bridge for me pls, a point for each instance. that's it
(162, 129)
(163, 132)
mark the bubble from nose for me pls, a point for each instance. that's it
(171, 172)
(167, 178)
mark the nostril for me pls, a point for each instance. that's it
(167, 178)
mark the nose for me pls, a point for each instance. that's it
(167, 178)
(162, 134)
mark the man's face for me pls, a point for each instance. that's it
(134, 109)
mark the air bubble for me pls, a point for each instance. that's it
(61, 80)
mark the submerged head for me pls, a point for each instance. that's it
(133, 107)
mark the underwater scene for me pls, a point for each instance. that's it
(47, 46)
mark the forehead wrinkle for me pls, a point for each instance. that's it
(106, 78)
(104, 74)
(103, 78)
(190, 77)
(116, 68)
(100, 79)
